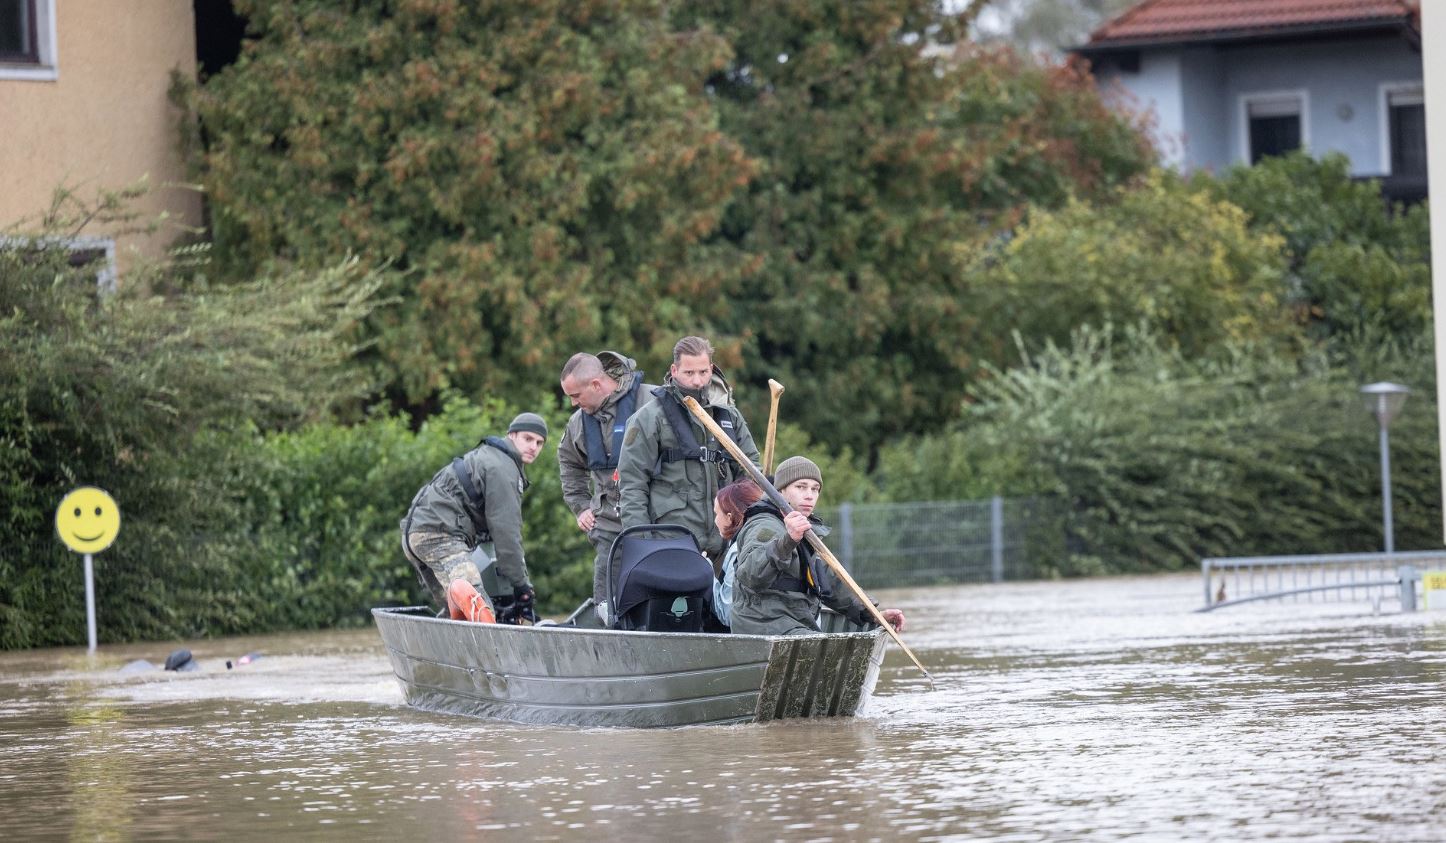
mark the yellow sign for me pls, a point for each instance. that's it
(87, 520)
(1433, 581)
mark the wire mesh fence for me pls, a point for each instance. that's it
(937, 542)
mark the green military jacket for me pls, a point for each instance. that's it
(583, 488)
(652, 491)
(441, 506)
(765, 553)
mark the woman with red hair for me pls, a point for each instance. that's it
(730, 510)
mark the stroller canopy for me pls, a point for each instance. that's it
(650, 566)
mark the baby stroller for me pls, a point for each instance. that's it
(658, 583)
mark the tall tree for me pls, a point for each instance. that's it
(802, 180)
(538, 169)
(884, 159)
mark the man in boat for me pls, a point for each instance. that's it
(671, 468)
(607, 389)
(779, 581)
(474, 501)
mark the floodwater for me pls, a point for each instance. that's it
(1085, 710)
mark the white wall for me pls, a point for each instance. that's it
(1155, 91)
(1343, 81)
(1195, 96)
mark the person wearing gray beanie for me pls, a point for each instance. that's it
(530, 422)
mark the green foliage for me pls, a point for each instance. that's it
(1160, 461)
(323, 505)
(881, 168)
(797, 180)
(844, 479)
(540, 167)
(1161, 254)
(1354, 263)
(892, 234)
(118, 390)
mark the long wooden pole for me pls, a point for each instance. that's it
(775, 390)
(817, 543)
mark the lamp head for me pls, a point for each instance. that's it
(1384, 400)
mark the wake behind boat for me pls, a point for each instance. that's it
(565, 675)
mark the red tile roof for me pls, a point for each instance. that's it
(1187, 20)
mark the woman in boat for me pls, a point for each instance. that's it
(729, 510)
(780, 582)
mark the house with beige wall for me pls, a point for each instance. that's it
(83, 104)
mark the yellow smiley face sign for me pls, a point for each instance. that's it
(87, 520)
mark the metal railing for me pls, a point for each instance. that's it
(928, 543)
(1333, 577)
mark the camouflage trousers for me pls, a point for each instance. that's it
(440, 558)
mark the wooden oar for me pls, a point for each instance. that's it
(775, 390)
(817, 543)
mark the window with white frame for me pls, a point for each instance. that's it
(1274, 124)
(96, 255)
(27, 39)
(1405, 123)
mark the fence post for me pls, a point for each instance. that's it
(1409, 575)
(846, 535)
(996, 537)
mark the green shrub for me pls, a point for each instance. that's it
(326, 504)
(1354, 262)
(1161, 253)
(125, 391)
(1159, 461)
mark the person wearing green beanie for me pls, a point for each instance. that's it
(794, 469)
(531, 423)
(473, 503)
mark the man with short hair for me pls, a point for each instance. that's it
(607, 389)
(671, 467)
(476, 500)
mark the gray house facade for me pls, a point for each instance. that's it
(1231, 82)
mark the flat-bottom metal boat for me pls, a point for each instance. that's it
(565, 675)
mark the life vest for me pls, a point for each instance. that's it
(598, 457)
(810, 579)
(689, 449)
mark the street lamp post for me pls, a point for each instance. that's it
(1384, 400)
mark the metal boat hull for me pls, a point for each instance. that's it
(580, 677)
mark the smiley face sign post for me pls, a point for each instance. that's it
(88, 521)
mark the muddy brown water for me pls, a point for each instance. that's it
(1087, 710)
